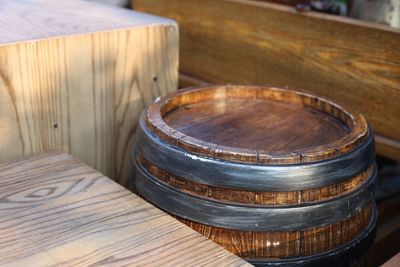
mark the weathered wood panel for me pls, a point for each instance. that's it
(76, 76)
(56, 211)
(354, 63)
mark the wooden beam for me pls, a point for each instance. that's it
(355, 63)
(76, 76)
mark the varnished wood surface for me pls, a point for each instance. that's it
(354, 63)
(57, 211)
(83, 85)
(225, 120)
(268, 244)
(277, 244)
(229, 195)
(255, 124)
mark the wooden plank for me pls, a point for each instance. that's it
(355, 63)
(76, 75)
(57, 211)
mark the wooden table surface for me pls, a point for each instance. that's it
(57, 211)
(393, 262)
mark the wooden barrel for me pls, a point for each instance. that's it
(275, 176)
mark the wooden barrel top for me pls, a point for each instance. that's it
(256, 124)
(259, 124)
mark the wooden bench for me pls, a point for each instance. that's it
(57, 211)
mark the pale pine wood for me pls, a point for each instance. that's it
(76, 75)
(27, 20)
(393, 262)
(354, 63)
(57, 211)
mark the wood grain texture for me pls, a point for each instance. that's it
(285, 244)
(278, 244)
(254, 126)
(27, 20)
(75, 76)
(229, 195)
(260, 124)
(57, 211)
(354, 63)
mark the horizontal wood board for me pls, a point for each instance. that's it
(57, 211)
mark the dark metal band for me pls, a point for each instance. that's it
(345, 255)
(252, 217)
(253, 177)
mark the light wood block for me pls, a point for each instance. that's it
(75, 76)
(393, 262)
(57, 211)
(354, 63)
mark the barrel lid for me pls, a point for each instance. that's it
(255, 124)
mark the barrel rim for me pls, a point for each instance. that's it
(257, 177)
(356, 124)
